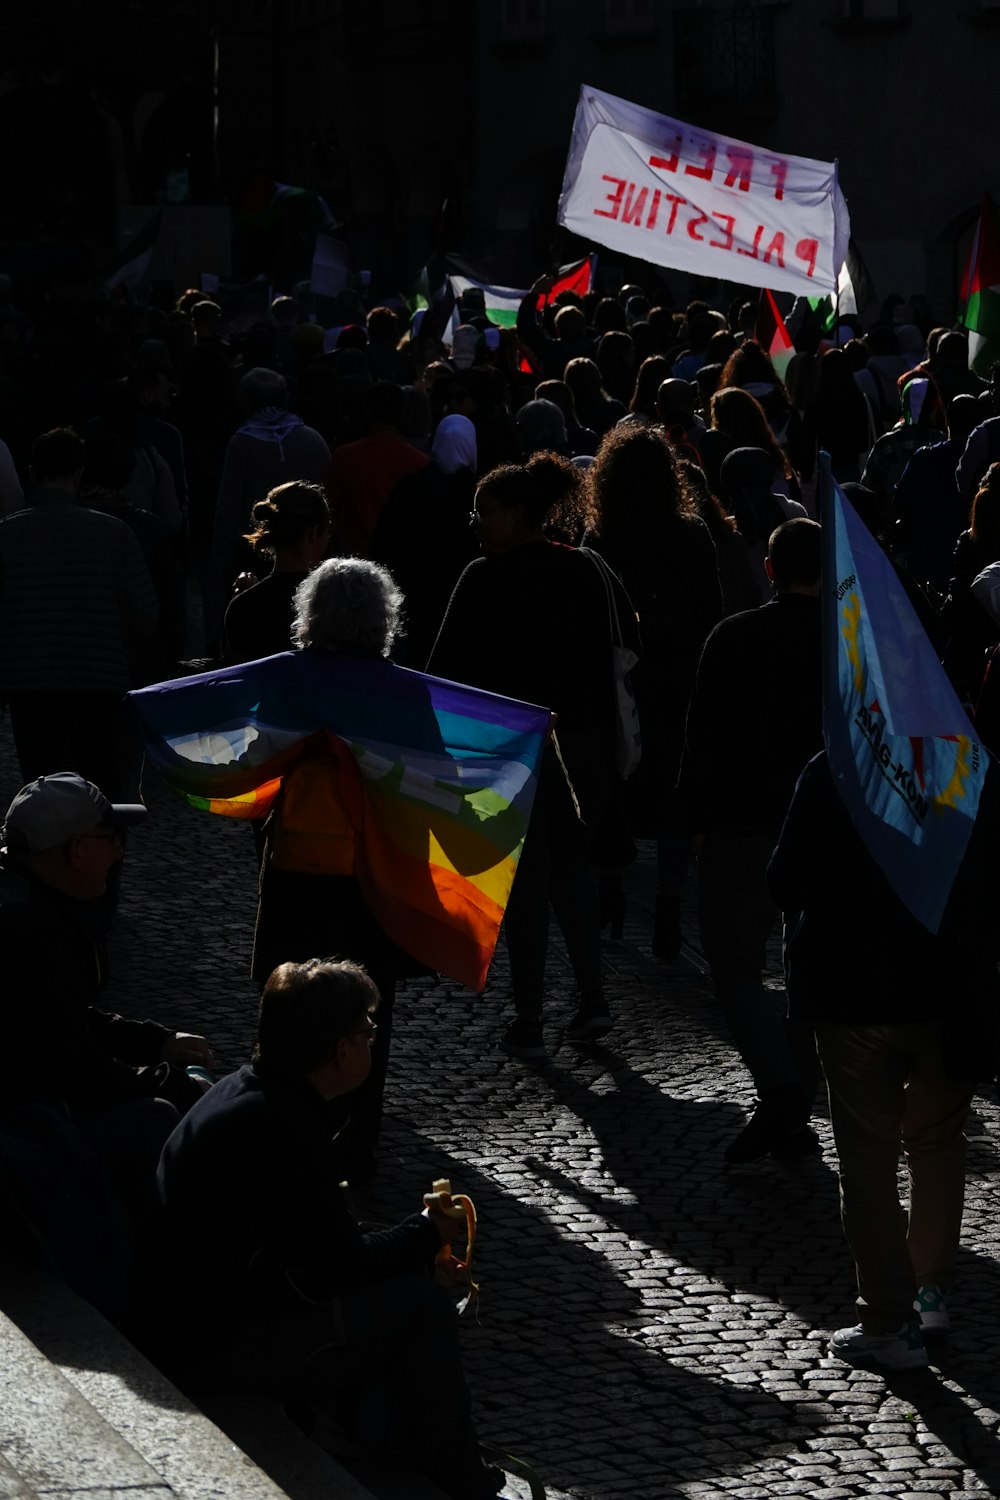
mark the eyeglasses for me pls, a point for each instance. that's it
(109, 833)
(368, 1033)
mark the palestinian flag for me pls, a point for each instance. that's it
(855, 292)
(981, 293)
(578, 278)
(502, 302)
(772, 335)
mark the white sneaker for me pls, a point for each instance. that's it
(902, 1350)
(932, 1310)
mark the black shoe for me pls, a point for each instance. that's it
(780, 1117)
(667, 935)
(591, 1022)
(801, 1142)
(523, 1038)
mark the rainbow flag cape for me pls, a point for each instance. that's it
(445, 777)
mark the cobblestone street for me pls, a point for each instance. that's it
(652, 1322)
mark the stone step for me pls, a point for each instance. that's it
(82, 1410)
(52, 1440)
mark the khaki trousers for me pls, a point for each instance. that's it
(888, 1090)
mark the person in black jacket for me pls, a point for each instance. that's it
(906, 1025)
(530, 619)
(256, 1230)
(754, 719)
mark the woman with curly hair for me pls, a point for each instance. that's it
(750, 368)
(737, 420)
(292, 529)
(649, 531)
(530, 619)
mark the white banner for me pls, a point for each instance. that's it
(676, 195)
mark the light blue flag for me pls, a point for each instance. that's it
(902, 751)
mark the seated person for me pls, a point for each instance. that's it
(68, 1069)
(255, 1227)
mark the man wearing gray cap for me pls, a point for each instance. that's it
(61, 838)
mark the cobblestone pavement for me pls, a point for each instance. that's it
(652, 1321)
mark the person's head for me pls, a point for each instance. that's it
(348, 602)
(675, 401)
(749, 365)
(352, 336)
(415, 418)
(150, 389)
(559, 393)
(802, 380)
(384, 404)
(383, 327)
(984, 522)
(315, 1023)
(471, 303)
(584, 381)
(292, 518)
(637, 309)
(616, 362)
(285, 311)
(919, 401)
(57, 459)
(570, 324)
(720, 347)
(872, 510)
(747, 478)
(700, 328)
(651, 375)
(793, 557)
(207, 319)
(454, 445)
(68, 833)
(740, 417)
(515, 502)
(261, 388)
(964, 414)
(609, 316)
(541, 426)
(637, 487)
(950, 349)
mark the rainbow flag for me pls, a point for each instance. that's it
(445, 775)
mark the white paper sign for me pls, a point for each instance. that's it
(676, 195)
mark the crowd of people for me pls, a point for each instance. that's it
(610, 510)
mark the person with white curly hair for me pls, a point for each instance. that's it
(311, 901)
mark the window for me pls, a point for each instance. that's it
(724, 63)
